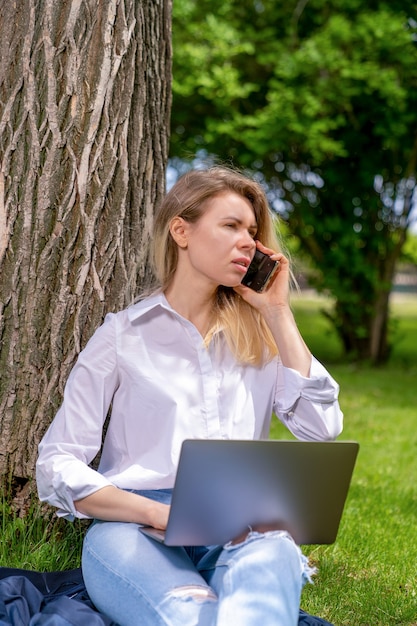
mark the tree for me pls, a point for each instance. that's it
(321, 101)
(84, 114)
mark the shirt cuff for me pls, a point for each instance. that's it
(319, 387)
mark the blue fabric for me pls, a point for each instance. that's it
(30, 598)
(46, 599)
(305, 619)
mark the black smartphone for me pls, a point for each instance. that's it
(260, 271)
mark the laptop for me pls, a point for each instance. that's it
(223, 488)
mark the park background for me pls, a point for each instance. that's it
(319, 103)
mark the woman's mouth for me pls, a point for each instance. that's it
(242, 264)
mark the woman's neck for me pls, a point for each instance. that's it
(197, 307)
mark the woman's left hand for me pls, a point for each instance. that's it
(277, 292)
(273, 304)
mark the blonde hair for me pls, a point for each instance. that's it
(245, 330)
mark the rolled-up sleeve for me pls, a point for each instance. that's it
(74, 438)
(308, 407)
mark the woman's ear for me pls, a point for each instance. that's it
(179, 229)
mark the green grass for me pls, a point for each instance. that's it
(368, 577)
(39, 543)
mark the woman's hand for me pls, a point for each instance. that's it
(276, 294)
(273, 304)
(116, 505)
(159, 517)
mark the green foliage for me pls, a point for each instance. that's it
(409, 253)
(322, 100)
(253, 79)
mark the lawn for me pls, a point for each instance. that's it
(368, 577)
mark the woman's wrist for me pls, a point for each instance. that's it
(278, 314)
(157, 515)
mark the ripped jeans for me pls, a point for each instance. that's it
(137, 581)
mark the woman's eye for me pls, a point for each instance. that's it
(234, 225)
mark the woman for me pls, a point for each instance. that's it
(201, 357)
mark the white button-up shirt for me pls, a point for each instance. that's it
(163, 385)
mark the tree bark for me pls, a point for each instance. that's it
(84, 117)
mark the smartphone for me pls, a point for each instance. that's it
(260, 271)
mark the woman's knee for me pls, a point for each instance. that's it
(276, 551)
(272, 551)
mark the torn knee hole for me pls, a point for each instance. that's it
(195, 592)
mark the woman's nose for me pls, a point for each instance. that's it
(247, 241)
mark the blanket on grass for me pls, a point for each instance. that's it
(29, 598)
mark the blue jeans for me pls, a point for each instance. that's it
(137, 581)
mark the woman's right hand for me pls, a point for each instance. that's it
(160, 515)
(116, 505)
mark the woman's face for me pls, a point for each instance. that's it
(221, 244)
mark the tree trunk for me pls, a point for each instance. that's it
(84, 117)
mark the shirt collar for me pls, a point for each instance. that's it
(140, 308)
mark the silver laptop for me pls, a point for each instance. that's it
(225, 487)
